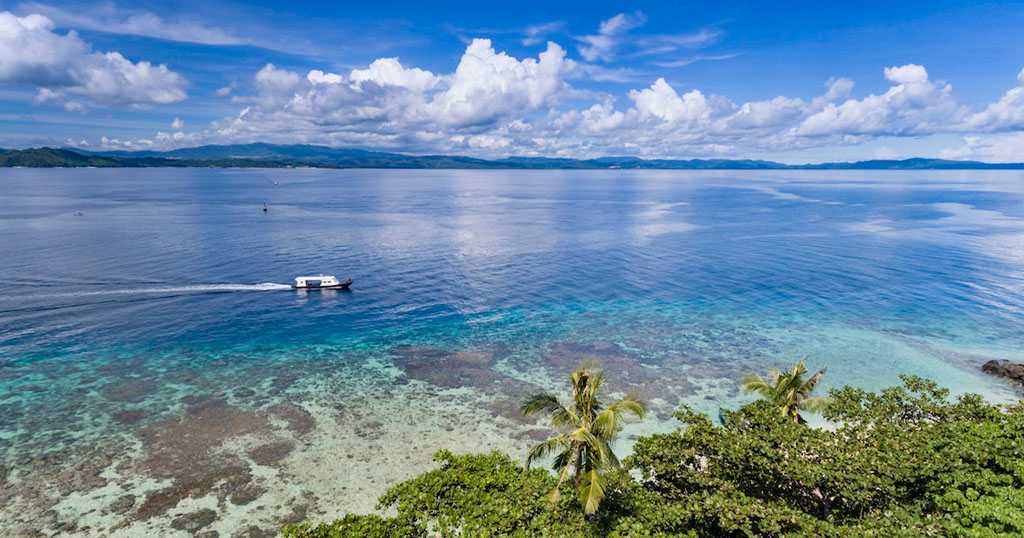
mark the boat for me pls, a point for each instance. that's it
(321, 282)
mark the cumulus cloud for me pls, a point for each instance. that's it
(494, 104)
(388, 104)
(489, 85)
(60, 66)
(999, 148)
(662, 101)
(389, 72)
(913, 105)
(1005, 114)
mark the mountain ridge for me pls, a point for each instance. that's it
(263, 155)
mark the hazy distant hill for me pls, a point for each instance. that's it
(63, 158)
(49, 157)
(282, 156)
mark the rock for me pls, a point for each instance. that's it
(246, 495)
(994, 367)
(194, 521)
(194, 399)
(130, 416)
(208, 534)
(271, 453)
(299, 421)
(538, 434)
(252, 531)
(1004, 368)
(132, 390)
(296, 516)
(180, 447)
(123, 504)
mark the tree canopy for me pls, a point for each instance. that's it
(906, 461)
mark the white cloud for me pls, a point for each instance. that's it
(487, 85)
(494, 105)
(885, 153)
(106, 17)
(999, 148)
(662, 101)
(389, 72)
(601, 46)
(390, 105)
(177, 124)
(914, 105)
(907, 74)
(537, 33)
(32, 54)
(694, 59)
(1005, 114)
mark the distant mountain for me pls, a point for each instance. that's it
(917, 163)
(49, 157)
(284, 156)
(64, 158)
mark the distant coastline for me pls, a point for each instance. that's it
(307, 156)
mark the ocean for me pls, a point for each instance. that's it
(158, 376)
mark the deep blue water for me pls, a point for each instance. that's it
(871, 273)
(437, 249)
(168, 293)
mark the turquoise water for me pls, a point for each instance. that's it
(155, 328)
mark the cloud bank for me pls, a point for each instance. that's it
(494, 104)
(63, 68)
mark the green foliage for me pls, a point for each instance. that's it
(906, 461)
(583, 451)
(490, 495)
(789, 392)
(903, 462)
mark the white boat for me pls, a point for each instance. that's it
(321, 282)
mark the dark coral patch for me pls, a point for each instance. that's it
(298, 420)
(194, 521)
(132, 390)
(271, 453)
(130, 416)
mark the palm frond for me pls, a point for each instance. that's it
(565, 418)
(540, 402)
(757, 384)
(592, 490)
(546, 447)
(608, 458)
(815, 405)
(561, 460)
(809, 385)
(606, 425)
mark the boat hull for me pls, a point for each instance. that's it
(342, 286)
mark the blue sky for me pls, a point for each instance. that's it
(800, 82)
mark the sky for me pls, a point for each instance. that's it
(791, 82)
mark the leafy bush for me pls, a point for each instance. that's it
(903, 462)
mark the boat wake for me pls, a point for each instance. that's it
(173, 290)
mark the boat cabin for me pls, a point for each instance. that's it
(320, 282)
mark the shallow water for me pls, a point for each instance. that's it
(154, 367)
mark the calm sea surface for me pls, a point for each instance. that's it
(471, 287)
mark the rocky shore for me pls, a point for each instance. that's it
(1004, 368)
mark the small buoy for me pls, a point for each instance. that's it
(264, 208)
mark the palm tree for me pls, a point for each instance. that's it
(583, 450)
(789, 391)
